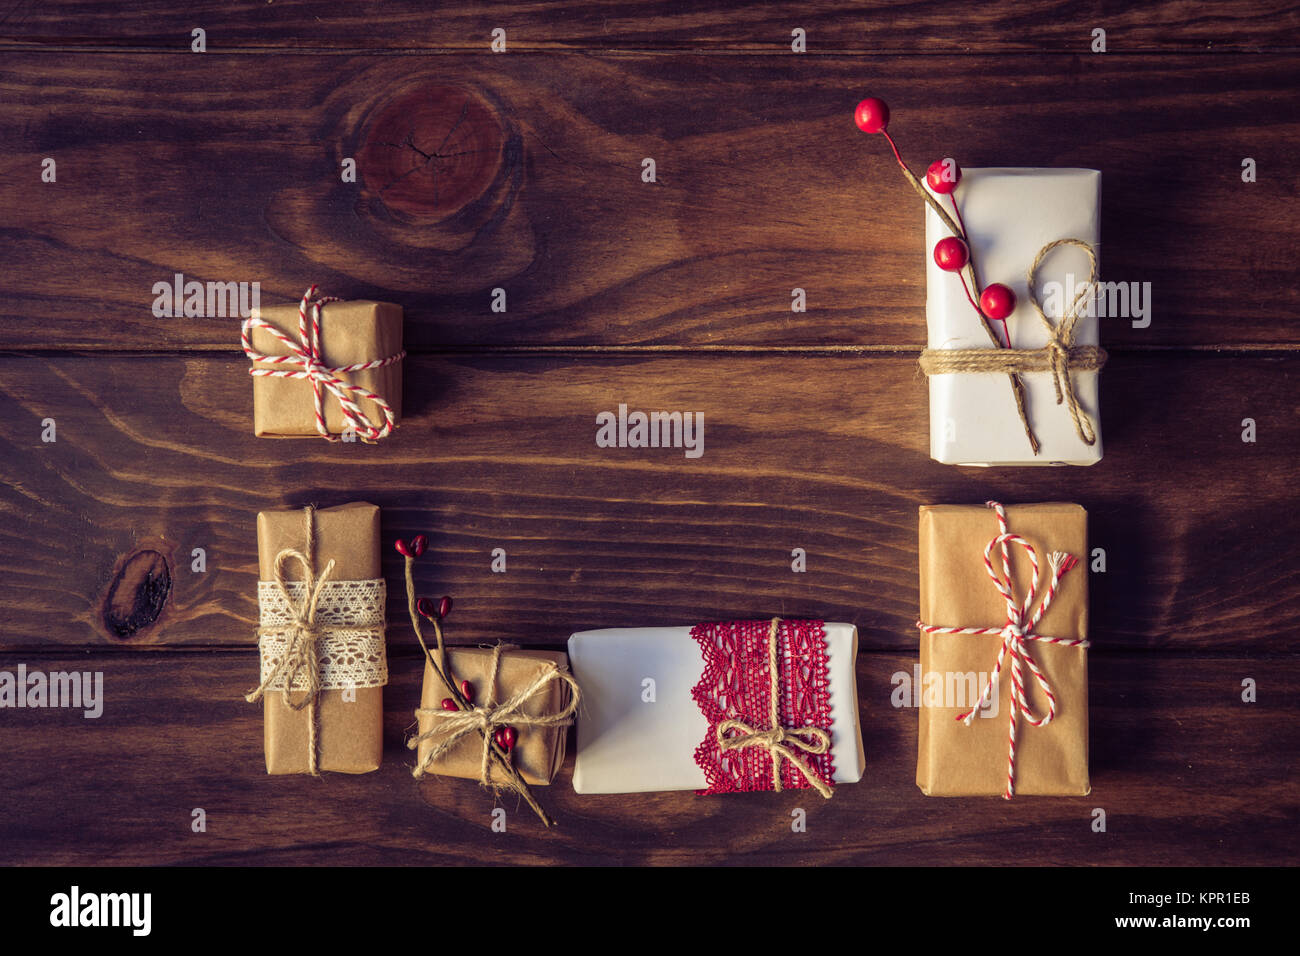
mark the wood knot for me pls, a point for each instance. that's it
(137, 594)
(432, 151)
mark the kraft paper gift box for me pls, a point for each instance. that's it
(628, 745)
(1010, 214)
(350, 719)
(956, 759)
(351, 333)
(538, 752)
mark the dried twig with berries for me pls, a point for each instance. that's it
(499, 745)
(996, 301)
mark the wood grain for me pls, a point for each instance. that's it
(829, 454)
(870, 27)
(228, 168)
(478, 171)
(1187, 773)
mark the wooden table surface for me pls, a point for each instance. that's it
(225, 166)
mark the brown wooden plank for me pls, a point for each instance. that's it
(227, 168)
(830, 454)
(1186, 772)
(1001, 26)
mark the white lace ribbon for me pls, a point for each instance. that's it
(350, 615)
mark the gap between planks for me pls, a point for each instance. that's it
(780, 49)
(1254, 350)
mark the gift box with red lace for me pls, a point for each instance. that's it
(717, 708)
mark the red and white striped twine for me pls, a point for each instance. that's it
(1018, 629)
(304, 361)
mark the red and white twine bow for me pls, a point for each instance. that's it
(304, 361)
(1018, 630)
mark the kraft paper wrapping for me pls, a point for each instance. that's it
(351, 332)
(1010, 214)
(351, 731)
(626, 745)
(958, 760)
(538, 751)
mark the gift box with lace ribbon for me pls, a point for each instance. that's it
(321, 639)
(717, 708)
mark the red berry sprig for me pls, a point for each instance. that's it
(952, 253)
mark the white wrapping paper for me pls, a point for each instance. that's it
(1010, 214)
(626, 745)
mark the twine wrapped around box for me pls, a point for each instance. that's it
(450, 727)
(317, 634)
(1060, 355)
(459, 718)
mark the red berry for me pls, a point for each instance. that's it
(505, 737)
(426, 608)
(872, 115)
(467, 690)
(449, 704)
(401, 547)
(997, 301)
(943, 176)
(418, 544)
(444, 607)
(951, 254)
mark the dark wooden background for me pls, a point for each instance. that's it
(675, 295)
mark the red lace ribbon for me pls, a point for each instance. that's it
(736, 685)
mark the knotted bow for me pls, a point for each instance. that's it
(1022, 618)
(301, 655)
(1060, 355)
(305, 361)
(451, 726)
(780, 742)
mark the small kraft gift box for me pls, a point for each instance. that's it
(497, 715)
(326, 368)
(521, 693)
(1004, 650)
(735, 706)
(321, 639)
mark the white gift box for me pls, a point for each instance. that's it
(627, 744)
(1010, 214)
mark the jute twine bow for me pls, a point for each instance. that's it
(1018, 630)
(458, 724)
(302, 654)
(1060, 355)
(779, 741)
(305, 361)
